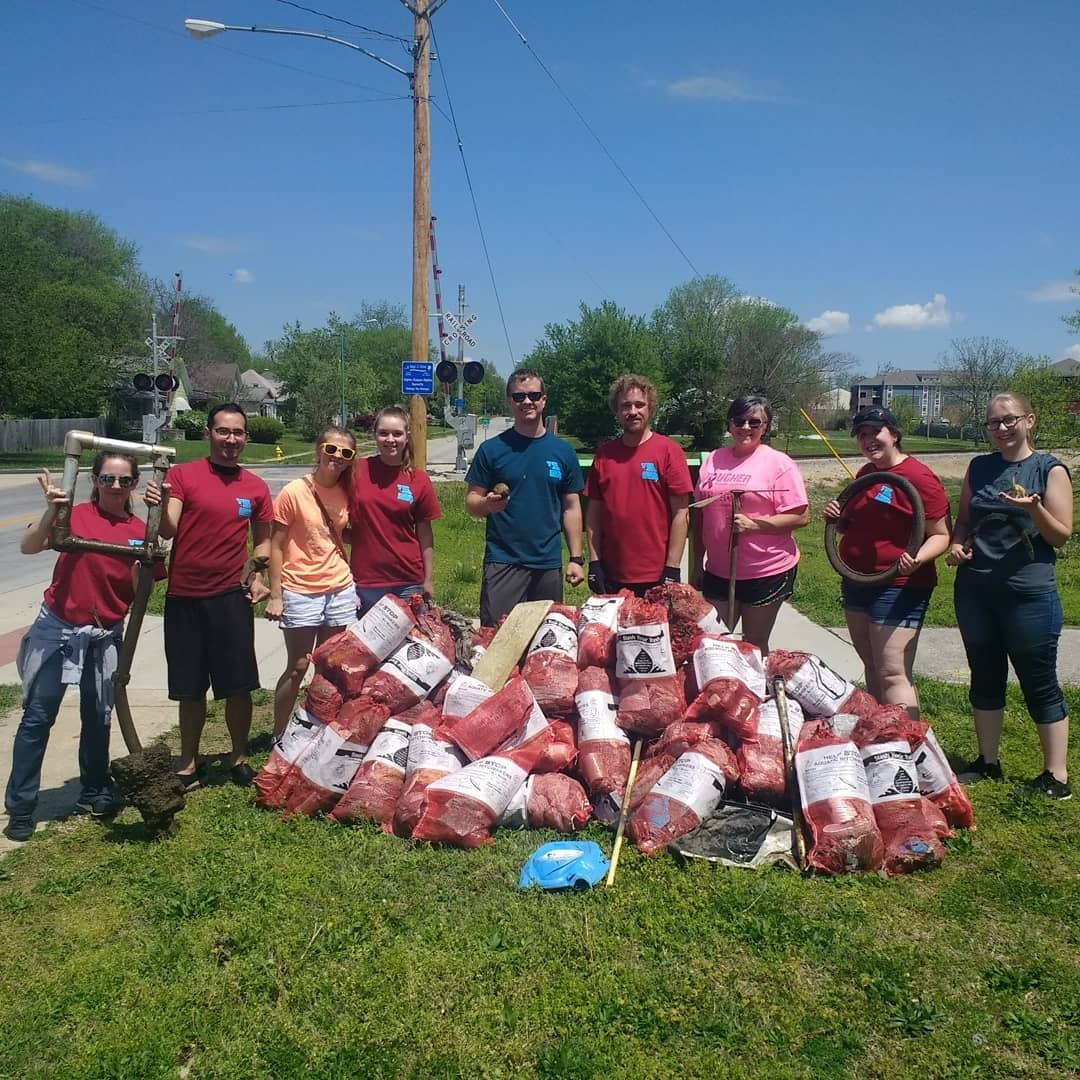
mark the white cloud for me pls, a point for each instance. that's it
(243, 276)
(48, 171)
(1053, 292)
(207, 245)
(1072, 352)
(716, 88)
(926, 316)
(829, 323)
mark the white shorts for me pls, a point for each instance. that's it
(301, 611)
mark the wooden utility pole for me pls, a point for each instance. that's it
(418, 404)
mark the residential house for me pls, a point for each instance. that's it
(261, 395)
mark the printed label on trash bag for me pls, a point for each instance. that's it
(417, 665)
(819, 689)
(427, 752)
(694, 780)
(890, 771)
(714, 659)
(596, 717)
(490, 781)
(932, 766)
(333, 763)
(383, 627)
(600, 609)
(769, 720)
(302, 731)
(391, 746)
(644, 652)
(516, 816)
(831, 772)
(556, 634)
(533, 726)
(711, 623)
(463, 695)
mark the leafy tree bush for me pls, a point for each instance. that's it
(191, 423)
(265, 429)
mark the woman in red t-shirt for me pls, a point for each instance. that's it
(391, 511)
(884, 620)
(75, 638)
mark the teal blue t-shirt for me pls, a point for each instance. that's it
(538, 472)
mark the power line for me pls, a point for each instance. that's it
(346, 22)
(599, 142)
(472, 195)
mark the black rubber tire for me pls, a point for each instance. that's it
(918, 527)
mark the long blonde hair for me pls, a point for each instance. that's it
(399, 412)
(345, 476)
(1022, 405)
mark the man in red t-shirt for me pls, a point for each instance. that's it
(639, 492)
(209, 624)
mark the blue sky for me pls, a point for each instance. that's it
(897, 174)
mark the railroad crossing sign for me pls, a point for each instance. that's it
(459, 328)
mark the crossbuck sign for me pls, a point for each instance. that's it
(459, 328)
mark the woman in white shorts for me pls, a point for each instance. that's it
(311, 585)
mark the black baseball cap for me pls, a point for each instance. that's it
(873, 414)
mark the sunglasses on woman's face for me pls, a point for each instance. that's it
(747, 421)
(331, 449)
(108, 479)
(518, 396)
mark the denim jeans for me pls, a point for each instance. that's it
(367, 596)
(40, 707)
(999, 625)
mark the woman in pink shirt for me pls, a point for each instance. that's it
(311, 585)
(772, 504)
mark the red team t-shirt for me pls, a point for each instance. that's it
(878, 522)
(633, 484)
(210, 548)
(90, 588)
(385, 507)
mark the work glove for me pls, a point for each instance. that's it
(672, 573)
(597, 578)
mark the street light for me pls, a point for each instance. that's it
(419, 81)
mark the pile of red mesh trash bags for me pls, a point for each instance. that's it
(395, 730)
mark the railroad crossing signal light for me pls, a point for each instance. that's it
(143, 381)
(446, 371)
(166, 383)
(473, 372)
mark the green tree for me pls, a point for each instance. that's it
(72, 302)
(208, 337)
(580, 360)
(1073, 321)
(975, 369)
(1052, 399)
(907, 416)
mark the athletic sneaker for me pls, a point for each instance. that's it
(242, 775)
(96, 805)
(980, 769)
(1049, 785)
(20, 828)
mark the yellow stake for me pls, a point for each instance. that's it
(827, 443)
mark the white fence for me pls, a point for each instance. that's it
(43, 434)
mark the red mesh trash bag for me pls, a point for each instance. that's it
(324, 773)
(560, 748)
(363, 718)
(491, 721)
(730, 677)
(762, 776)
(650, 769)
(650, 691)
(598, 617)
(685, 735)
(689, 614)
(429, 760)
(603, 747)
(348, 658)
(416, 667)
(462, 807)
(938, 782)
(299, 735)
(548, 801)
(686, 794)
(423, 712)
(816, 687)
(550, 665)
(844, 837)
(377, 785)
(322, 699)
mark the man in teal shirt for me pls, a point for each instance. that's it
(523, 550)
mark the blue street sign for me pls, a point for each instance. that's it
(417, 377)
(459, 403)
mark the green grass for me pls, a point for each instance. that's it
(248, 946)
(817, 591)
(10, 696)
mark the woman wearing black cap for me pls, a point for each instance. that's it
(885, 620)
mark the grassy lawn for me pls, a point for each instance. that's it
(817, 591)
(248, 946)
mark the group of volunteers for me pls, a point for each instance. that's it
(351, 531)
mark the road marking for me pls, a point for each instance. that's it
(19, 519)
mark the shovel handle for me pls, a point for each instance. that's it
(624, 811)
(733, 562)
(789, 769)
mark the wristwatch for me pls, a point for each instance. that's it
(579, 559)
